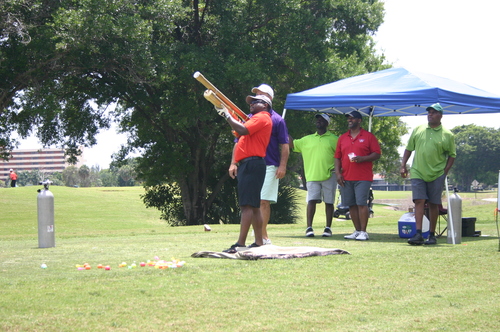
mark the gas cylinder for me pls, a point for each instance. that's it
(455, 217)
(46, 231)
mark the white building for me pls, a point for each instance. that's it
(44, 160)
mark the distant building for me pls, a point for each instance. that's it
(44, 160)
(380, 183)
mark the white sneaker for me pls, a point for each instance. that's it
(352, 236)
(266, 241)
(363, 236)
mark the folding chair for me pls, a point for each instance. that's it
(443, 213)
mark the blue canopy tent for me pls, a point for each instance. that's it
(393, 92)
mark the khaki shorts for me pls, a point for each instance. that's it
(271, 184)
(322, 190)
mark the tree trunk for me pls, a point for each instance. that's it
(195, 197)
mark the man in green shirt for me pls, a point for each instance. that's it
(435, 153)
(317, 152)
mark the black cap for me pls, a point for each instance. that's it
(354, 114)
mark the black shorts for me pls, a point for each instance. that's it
(251, 175)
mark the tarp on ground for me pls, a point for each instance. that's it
(394, 92)
(271, 252)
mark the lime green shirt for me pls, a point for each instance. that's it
(318, 155)
(433, 147)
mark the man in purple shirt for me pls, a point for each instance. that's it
(276, 159)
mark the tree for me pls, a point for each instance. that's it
(29, 178)
(108, 178)
(70, 176)
(84, 176)
(478, 155)
(32, 67)
(142, 54)
(56, 178)
(94, 177)
(127, 174)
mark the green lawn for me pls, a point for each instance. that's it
(384, 285)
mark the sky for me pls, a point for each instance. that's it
(447, 38)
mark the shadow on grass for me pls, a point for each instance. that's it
(376, 237)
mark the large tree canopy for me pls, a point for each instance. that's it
(478, 155)
(35, 96)
(62, 54)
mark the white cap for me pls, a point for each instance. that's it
(265, 89)
(11, 170)
(265, 98)
(324, 116)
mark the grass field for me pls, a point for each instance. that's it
(383, 285)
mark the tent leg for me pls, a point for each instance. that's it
(498, 232)
(497, 211)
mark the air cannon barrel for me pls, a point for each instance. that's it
(45, 203)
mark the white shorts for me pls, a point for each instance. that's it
(322, 190)
(269, 190)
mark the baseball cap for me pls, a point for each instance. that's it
(354, 114)
(324, 116)
(437, 107)
(259, 97)
(11, 170)
(266, 89)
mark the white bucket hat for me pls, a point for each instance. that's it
(264, 88)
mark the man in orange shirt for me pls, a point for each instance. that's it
(13, 178)
(248, 165)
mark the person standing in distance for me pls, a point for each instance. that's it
(317, 152)
(435, 153)
(356, 151)
(277, 154)
(13, 178)
(249, 166)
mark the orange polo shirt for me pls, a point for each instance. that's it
(255, 143)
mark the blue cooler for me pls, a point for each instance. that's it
(408, 227)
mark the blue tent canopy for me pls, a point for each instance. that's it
(394, 92)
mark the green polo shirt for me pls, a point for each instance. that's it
(318, 155)
(433, 147)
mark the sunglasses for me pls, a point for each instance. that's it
(258, 101)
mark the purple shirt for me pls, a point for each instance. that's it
(279, 135)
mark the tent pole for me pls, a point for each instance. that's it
(370, 119)
(497, 211)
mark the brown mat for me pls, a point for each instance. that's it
(271, 252)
